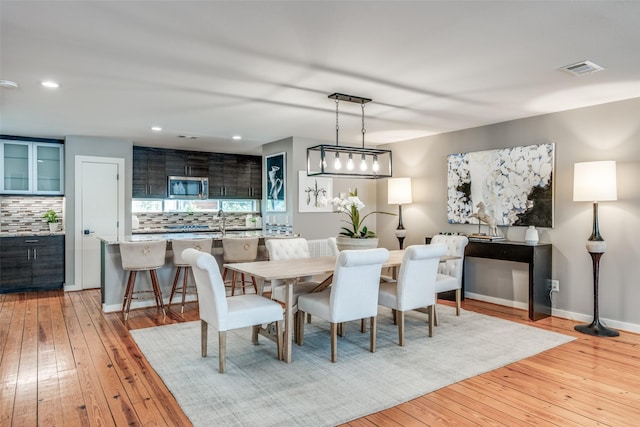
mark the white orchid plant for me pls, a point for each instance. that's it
(351, 206)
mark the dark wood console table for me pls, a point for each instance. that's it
(539, 259)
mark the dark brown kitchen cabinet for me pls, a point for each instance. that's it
(250, 177)
(31, 263)
(149, 176)
(186, 163)
(223, 175)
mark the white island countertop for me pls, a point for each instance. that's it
(113, 240)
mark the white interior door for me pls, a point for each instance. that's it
(99, 212)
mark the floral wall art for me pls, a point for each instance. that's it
(314, 193)
(515, 184)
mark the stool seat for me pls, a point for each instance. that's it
(178, 246)
(239, 249)
(142, 256)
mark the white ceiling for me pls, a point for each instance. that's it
(264, 69)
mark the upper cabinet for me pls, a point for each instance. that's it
(187, 163)
(231, 176)
(31, 167)
(149, 177)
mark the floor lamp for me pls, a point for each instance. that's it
(595, 182)
(399, 193)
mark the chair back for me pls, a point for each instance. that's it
(333, 246)
(356, 280)
(143, 255)
(240, 249)
(280, 249)
(455, 246)
(212, 300)
(417, 276)
(178, 246)
(288, 248)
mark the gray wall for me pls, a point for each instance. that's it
(97, 147)
(605, 132)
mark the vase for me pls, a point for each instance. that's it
(53, 227)
(345, 242)
(531, 236)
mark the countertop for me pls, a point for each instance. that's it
(113, 240)
(30, 233)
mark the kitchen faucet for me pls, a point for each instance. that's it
(222, 216)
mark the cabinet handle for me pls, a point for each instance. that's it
(29, 254)
(31, 241)
(35, 253)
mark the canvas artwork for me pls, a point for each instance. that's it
(275, 166)
(513, 185)
(314, 193)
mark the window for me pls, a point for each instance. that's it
(208, 205)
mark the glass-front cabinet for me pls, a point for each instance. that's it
(31, 167)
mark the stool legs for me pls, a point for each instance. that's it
(234, 279)
(128, 293)
(185, 285)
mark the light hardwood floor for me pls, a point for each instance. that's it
(65, 363)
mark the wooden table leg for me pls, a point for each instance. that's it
(288, 322)
(256, 329)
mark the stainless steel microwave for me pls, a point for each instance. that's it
(187, 187)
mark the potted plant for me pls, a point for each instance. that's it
(357, 235)
(52, 219)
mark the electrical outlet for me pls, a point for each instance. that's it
(555, 286)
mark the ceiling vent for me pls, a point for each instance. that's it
(581, 68)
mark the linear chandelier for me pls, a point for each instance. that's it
(348, 162)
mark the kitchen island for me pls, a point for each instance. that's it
(113, 277)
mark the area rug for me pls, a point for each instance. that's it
(259, 390)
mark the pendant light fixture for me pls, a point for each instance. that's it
(373, 162)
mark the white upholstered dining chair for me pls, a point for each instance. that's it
(353, 295)
(224, 313)
(416, 284)
(450, 272)
(283, 249)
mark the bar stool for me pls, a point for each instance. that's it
(142, 256)
(239, 249)
(202, 245)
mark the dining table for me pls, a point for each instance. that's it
(290, 271)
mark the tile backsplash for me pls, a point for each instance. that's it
(24, 213)
(162, 220)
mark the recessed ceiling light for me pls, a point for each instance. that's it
(156, 128)
(50, 84)
(8, 84)
(187, 137)
(236, 137)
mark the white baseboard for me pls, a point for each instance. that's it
(564, 314)
(498, 301)
(72, 288)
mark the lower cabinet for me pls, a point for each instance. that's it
(31, 263)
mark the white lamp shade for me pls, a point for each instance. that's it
(399, 191)
(594, 181)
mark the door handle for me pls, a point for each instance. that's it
(88, 232)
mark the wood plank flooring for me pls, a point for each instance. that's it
(65, 363)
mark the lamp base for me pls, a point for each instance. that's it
(596, 329)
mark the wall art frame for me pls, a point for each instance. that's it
(314, 193)
(515, 185)
(276, 177)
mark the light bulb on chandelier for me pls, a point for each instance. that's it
(337, 164)
(350, 165)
